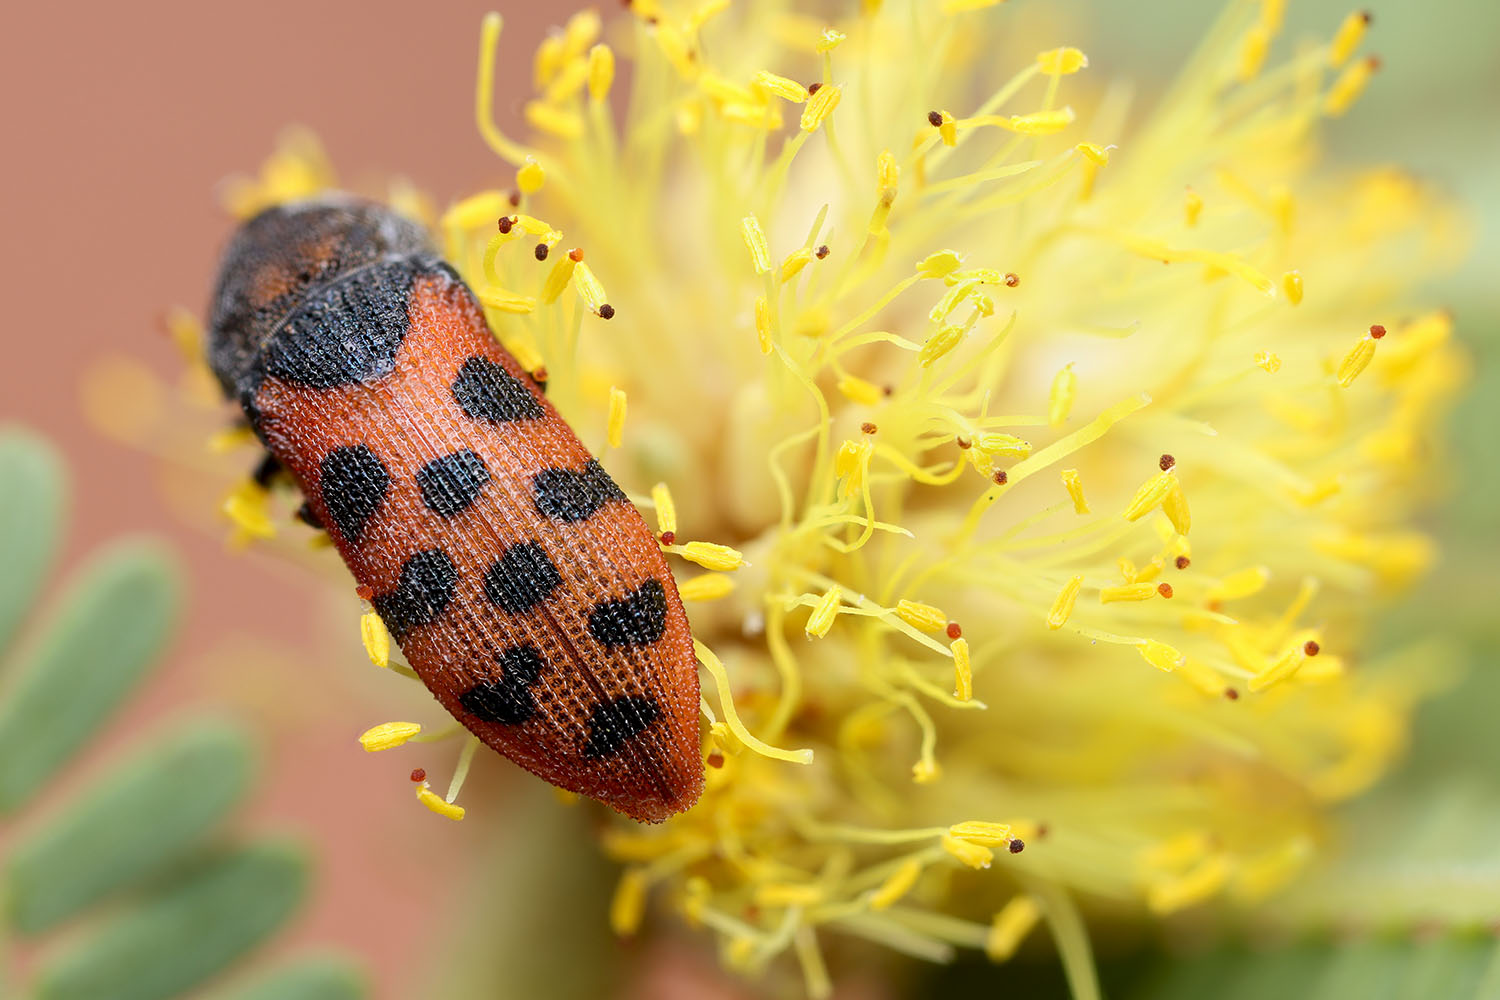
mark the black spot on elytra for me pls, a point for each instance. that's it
(486, 391)
(637, 620)
(522, 578)
(353, 483)
(614, 723)
(452, 483)
(348, 330)
(508, 700)
(569, 495)
(428, 580)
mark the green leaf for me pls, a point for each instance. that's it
(1450, 967)
(129, 825)
(313, 978)
(31, 513)
(188, 930)
(113, 624)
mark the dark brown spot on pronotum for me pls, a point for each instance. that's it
(606, 311)
(418, 774)
(715, 759)
(576, 255)
(541, 251)
(1311, 648)
(506, 223)
(1377, 331)
(822, 251)
(1017, 845)
(954, 630)
(1166, 462)
(868, 428)
(1012, 279)
(1001, 477)
(1164, 589)
(935, 118)
(1183, 562)
(669, 538)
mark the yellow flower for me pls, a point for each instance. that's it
(971, 302)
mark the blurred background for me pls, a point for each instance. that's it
(122, 122)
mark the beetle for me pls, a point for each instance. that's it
(522, 585)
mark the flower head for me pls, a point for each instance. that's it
(1045, 474)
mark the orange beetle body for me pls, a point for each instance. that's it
(523, 587)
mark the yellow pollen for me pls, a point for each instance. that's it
(1291, 284)
(1288, 664)
(1150, 495)
(1093, 152)
(1060, 398)
(820, 106)
(1061, 62)
(939, 344)
(616, 426)
(628, 904)
(432, 800)
(830, 39)
(1347, 88)
(1003, 445)
(896, 885)
(666, 508)
(230, 439)
(589, 288)
(963, 673)
(887, 174)
(1042, 122)
(1010, 927)
(376, 637)
(1192, 207)
(971, 854)
(1127, 592)
(981, 832)
(711, 555)
(531, 177)
(601, 72)
(823, 613)
(1062, 605)
(558, 278)
(755, 240)
(549, 60)
(939, 265)
(1270, 361)
(947, 129)
(1356, 361)
(794, 263)
(1160, 655)
(787, 90)
(248, 507)
(921, 616)
(926, 771)
(1175, 506)
(388, 735)
(1351, 32)
(706, 587)
(1074, 485)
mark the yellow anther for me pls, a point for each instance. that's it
(1074, 485)
(388, 735)
(1288, 664)
(711, 555)
(849, 465)
(787, 90)
(755, 240)
(794, 263)
(1205, 679)
(376, 637)
(1270, 361)
(706, 11)
(506, 301)
(531, 177)
(939, 265)
(248, 506)
(1347, 38)
(947, 128)
(1010, 927)
(982, 832)
(589, 288)
(550, 56)
(963, 671)
(973, 855)
(1240, 584)
(676, 46)
(666, 508)
(939, 344)
(1160, 655)
(1062, 605)
(601, 71)
(1356, 361)
(820, 106)
(823, 613)
(1272, 13)
(432, 800)
(785, 894)
(926, 772)
(830, 39)
(1253, 53)
(1002, 445)
(921, 616)
(963, 6)
(1291, 284)
(706, 587)
(581, 31)
(1283, 207)
(1061, 62)
(558, 278)
(1175, 506)
(617, 404)
(1060, 398)
(763, 324)
(628, 905)
(857, 389)
(1093, 152)
(553, 120)
(1170, 895)
(1152, 492)
(887, 174)
(1042, 122)
(1192, 207)
(896, 885)
(1127, 592)
(1347, 88)
(230, 438)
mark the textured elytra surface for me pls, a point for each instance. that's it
(525, 590)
